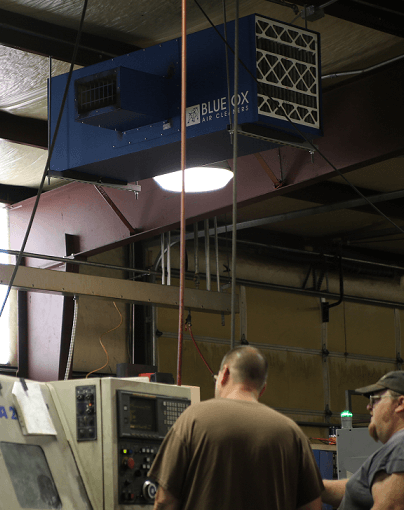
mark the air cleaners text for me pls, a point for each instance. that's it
(215, 109)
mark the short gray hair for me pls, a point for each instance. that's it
(249, 364)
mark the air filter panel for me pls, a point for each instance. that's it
(288, 71)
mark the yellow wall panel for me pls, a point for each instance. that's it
(294, 380)
(400, 325)
(281, 318)
(349, 374)
(336, 328)
(370, 330)
(95, 318)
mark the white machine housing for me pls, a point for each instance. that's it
(106, 434)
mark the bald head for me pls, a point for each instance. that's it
(247, 365)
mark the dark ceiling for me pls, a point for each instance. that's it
(362, 66)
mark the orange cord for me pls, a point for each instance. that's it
(102, 345)
(188, 326)
(330, 440)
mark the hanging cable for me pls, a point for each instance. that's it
(103, 346)
(188, 326)
(47, 164)
(227, 68)
(235, 158)
(183, 163)
(72, 338)
(315, 149)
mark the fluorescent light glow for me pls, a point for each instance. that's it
(197, 180)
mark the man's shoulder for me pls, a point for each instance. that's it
(255, 410)
(394, 446)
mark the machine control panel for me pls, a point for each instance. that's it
(135, 458)
(143, 422)
(86, 413)
(147, 416)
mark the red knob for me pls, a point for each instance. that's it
(131, 463)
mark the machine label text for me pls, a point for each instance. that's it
(11, 413)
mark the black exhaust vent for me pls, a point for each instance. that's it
(121, 99)
(96, 94)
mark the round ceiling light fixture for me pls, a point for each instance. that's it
(198, 179)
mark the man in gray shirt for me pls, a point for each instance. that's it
(379, 482)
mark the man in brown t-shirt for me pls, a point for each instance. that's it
(233, 453)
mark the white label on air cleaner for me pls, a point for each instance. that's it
(193, 115)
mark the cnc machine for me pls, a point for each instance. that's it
(84, 444)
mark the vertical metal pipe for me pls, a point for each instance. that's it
(22, 318)
(49, 106)
(163, 266)
(169, 258)
(196, 255)
(207, 255)
(243, 313)
(325, 366)
(132, 264)
(154, 337)
(235, 154)
(397, 329)
(49, 100)
(217, 256)
(183, 163)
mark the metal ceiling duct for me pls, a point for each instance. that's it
(122, 117)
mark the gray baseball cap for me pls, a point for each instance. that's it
(391, 381)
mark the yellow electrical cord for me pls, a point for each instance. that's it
(102, 345)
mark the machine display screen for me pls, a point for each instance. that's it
(142, 414)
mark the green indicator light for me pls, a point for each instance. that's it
(347, 414)
(125, 451)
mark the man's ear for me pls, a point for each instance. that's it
(400, 407)
(262, 391)
(225, 375)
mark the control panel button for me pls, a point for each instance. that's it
(128, 462)
(149, 491)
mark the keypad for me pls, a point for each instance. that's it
(172, 411)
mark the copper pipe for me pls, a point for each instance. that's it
(183, 163)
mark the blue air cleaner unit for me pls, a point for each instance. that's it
(121, 121)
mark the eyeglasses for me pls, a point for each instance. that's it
(374, 399)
